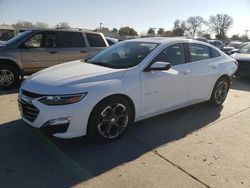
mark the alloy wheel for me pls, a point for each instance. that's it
(221, 92)
(6, 77)
(113, 120)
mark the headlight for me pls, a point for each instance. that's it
(62, 100)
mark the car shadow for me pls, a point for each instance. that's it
(32, 158)
(7, 92)
(240, 83)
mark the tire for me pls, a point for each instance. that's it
(9, 76)
(110, 119)
(220, 91)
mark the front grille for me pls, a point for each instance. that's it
(28, 110)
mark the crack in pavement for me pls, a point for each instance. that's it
(176, 165)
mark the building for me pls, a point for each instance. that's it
(6, 32)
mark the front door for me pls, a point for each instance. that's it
(42, 51)
(163, 90)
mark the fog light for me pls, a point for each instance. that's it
(59, 121)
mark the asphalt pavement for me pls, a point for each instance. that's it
(197, 146)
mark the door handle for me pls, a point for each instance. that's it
(185, 72)
(214, 66)
(82, 51)
(53, 52)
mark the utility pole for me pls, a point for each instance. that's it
(247, 30)
(100, 26)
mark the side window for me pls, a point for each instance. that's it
(43, 40)
(214, 53)
(35, 41)
(95, 40)
(174, 54)
(72, 40)
(199, 52)
(49, 40)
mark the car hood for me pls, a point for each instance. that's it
(241, 57)
(69, 77)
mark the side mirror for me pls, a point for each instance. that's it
(158, 66)
(28, 44)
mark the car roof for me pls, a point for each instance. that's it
(164, 40)
(68, 30)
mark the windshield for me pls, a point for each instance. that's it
(123, 55)
(245, 49)
(19, 36)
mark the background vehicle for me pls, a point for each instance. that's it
(217, 43)
(129, 81)
(202, 39)
(111, 41)
(243, 58)
(33, 50)
(232, 47)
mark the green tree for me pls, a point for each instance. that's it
(127, 31)
(160, 31)
(151, 31)
(235, 37)
(114, 30)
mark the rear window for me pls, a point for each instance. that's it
(72, 40)
(214, 53)
(199, 52)
(95, 40)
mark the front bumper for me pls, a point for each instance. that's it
(75, 116)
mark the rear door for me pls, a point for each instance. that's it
(96, 42)
(204, 62)
(42, 52)
(72, 46)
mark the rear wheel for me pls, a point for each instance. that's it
(220, 91)
(110, 119)
(9, 76)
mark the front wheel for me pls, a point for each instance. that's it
(220, 91)
(110, 119)
(9, 76)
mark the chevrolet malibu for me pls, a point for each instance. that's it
(127, 82)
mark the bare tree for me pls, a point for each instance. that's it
(179, 29)
(194, 24)
(63, 25)
(23, 24)
(41, 25)
(220, 24)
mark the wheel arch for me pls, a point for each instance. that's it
(111, 96)
(228, 78)
(12, 63)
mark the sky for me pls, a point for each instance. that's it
(139, 14)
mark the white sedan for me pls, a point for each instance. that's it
(130, 81)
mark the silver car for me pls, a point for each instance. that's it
(34, 50)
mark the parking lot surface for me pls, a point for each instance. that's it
(198, 146)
